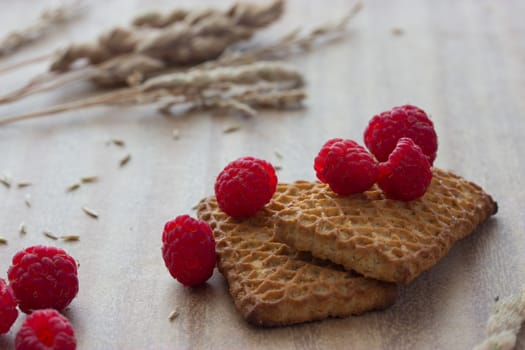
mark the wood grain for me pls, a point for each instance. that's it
(462, 61)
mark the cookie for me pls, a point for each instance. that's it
(274, 285)
(380, 238)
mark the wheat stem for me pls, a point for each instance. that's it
(113, 97)
(24, 63)
(192, 85)
(46, 82)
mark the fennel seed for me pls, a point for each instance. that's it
(125, 160)
(88, 179)
(397, 31)
(278, 168)
(3, 241)
(22, 229)
(4, 180)
(278, 154)
(176, 134)
(118, 142)
(90, 212)
(27, 201)
(173, 315)
(70, 238)
(73, 187)
(50, 235)
(231, 129)
(24, 184)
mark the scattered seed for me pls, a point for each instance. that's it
(90, 212)
(27, 201)
(176, 134)
(118, 142)
(73, 187)
(397, 31)
(278, 168)
(278, 154)
(173, 315)
(195, 207)
(4, 180)
(49, 234)
(22, 229)
(88, 179)
(3, 241)
(24, 184)
(70, 238)
(231, 129)
(125, 160)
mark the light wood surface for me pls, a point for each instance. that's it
(462, 61)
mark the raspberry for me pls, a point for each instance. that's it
(384, 130)
(43, 277)
(245, 186)
(46, 330)
(8, 311)
(346, 166)
(188, 249)
(406, 175)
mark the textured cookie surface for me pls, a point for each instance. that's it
(272, 284)
(381, 238)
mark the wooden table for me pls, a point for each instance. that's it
(462, 61)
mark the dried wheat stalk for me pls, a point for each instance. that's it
(129, 55)
(211, 85)
(291, 43)
(196, 37)
(242, 75)
(160, 20)
(248, 103)
(157, 54)
(260, 84)
(48, 20)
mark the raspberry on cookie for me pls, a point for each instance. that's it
(245, 186)
(346, 166)
(406, 174)
(385, 129)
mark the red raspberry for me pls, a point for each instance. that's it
(46, 330)
(8, 311)
(245, 186)
(406, 175)
(384, 130)
(43, 277)
(346, 166)
(188, 249)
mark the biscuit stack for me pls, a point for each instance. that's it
(311, 254)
